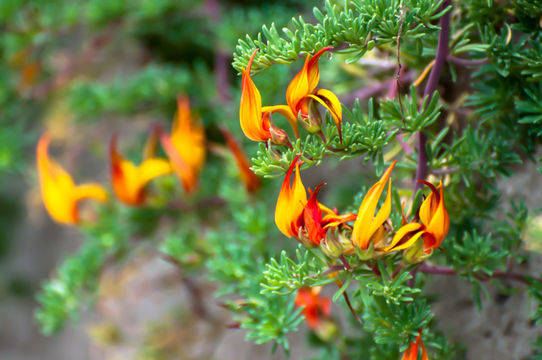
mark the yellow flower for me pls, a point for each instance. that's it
(59, 193)
(128, 180)
(433, 226)
(186, 145)
(368, 227)
(255, 119)
(301, 92)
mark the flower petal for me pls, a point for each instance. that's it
(440, 222)
(290, 203)
(312, 218)
(153, 168)
(90, 191)
(186, 145)
(363, 230)
(285, 111)
(59, 193)
(254, 126)
(401, 233)
(330, 101)
(304, 82)
(57, 187)
(129, 180)
(251, 181)
(182, 170)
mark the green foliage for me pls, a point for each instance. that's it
(394, 289)
(361, 25)
(364, 135)
(407, 114)
(150, 88)
(287, 276)
(393, 324)
(74, 285)
(475, 254)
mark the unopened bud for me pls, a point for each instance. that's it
(312, 121)
(304, 239)
(415, 253)
(335, 244)
(365, 254)
(278, 136)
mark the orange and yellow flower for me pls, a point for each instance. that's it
(251, 181)
(59, 193)
(291, 202)
(186, 145)
(432, 227)
(302, 91)
(128, 180)
(411, 353)
(368, 228)
(255, 119)
(315, 307)
(306, 220)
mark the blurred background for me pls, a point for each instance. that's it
(84, 70)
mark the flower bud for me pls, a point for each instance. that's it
(366, 254)
(415, 253)
(312, 121)
(304, 238)
(278, 136)
(335, 244)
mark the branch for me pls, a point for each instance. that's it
(198, 304)
(467, 62)
(443, 270)
(422, 169)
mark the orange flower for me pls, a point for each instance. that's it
(255, 119)
(306, 220)
(59, 193)
(301, 92)
(433, 226)
(315, 307)
(129, 181)
(186, 145)
(251, 181)
(411, 352)
(369, 228)
(291, 202)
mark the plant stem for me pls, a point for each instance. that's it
(444, 270)
(467, 62)
(422, 169)
(198, 305)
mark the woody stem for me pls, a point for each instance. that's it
(443, 270)
(198, 305)
(422, 169)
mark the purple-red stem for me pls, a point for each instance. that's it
(443, 270)
(442, 54)
(467, 62)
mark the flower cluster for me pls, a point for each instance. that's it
(302, 98)
(185, 147)
(370, 235)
